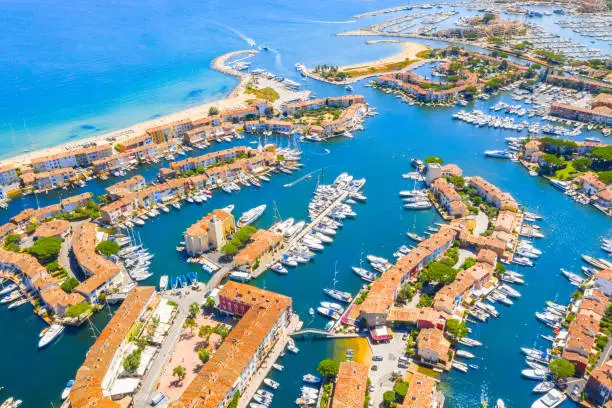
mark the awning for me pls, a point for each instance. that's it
(380, 333)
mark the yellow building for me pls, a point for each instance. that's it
(210, 232)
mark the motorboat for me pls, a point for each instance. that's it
(466, 341)
(277, 367)
(271, 383)
(311, 379)
(458, 365)
(66, 391)
(594, 262)
(338, 295)
(251, 215)
(54, 331)
(240, 276)
(415, 237)
(7, 289)
(464, 353)
(333, 306)
(11, 297)
(278, 268)
(288, 261)
(544, 386)
(508, 290)
(17, 303)
(551, 399)
(498, 154)
(533, 353)
(328, 312)
(163, 282)
(534, 374)
(366, 275)
(500, 404)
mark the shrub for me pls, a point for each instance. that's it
(69, 284)
(108, 248)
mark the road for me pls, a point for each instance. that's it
(183, 297)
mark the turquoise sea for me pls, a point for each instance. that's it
(73, 70)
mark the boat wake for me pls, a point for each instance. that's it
(246, 38)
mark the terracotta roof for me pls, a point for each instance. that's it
(487, 256)
(7, 228)
(433, 339)
(201, 226)
(261, 241)
(23, 216)
(27, 264)
(604, 274)
(605, 194)
(100, 268)
(52, 228)
(421, 389)
(351, 383)
(592, 179)
(218, 376)
(75, 199)
(87, 389)
(451, 170)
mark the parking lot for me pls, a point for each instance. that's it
(381, 372)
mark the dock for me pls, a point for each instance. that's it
(288, 244)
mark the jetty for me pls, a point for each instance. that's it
(322, 334)
(277, 257)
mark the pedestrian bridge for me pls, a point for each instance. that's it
(321, 334)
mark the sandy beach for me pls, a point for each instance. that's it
(410, 51)
(377, 67)
(236, 99)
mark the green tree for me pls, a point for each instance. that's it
(213, 110)
(194, 308)
(229, 249)
(438, 272)
(328, 368)
(12, 239)
(561, 368)
(203, 355)
(77, 310)
(456, 328)
(434, 159)
(457, 181)
(425, 301)
(179, 372)
(45, 249)
(108, 248)
(209, 304)
(190, 324)
(401, 389)
(468, 263)
(388, 398)
(205, 331)
(69, 284)
(132, 361)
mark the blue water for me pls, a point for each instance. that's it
(71, 70)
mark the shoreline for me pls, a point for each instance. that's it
(409, 51)
(235, 99)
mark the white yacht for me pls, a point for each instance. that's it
(54, 331)
(251, 215)
(551, 399)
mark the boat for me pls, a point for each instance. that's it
(229, 208)
(251, 215)
(240, 276)
(328, 312)
(466, 341)
(333, 306)
(278, 367)
(498, 154)
(464, 353)
(544, 386)
(278, 268)
(11, 297)
(533, 353)
(551, 399)
(291, 347)
(17, 303)
(500, 404)
(67, 389)
(364, 274)
(338, 295)
(163, 282)
(54, 331)
(301, 402)
(457, 365)
(271, 383)
(415, 237)
(7, 289)
(419, 205)
(534, 374)
(312, 379)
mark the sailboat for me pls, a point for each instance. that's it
(337, 294)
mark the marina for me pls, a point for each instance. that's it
(380, 153)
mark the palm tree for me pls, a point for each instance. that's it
(179, 372)
(190, 323)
